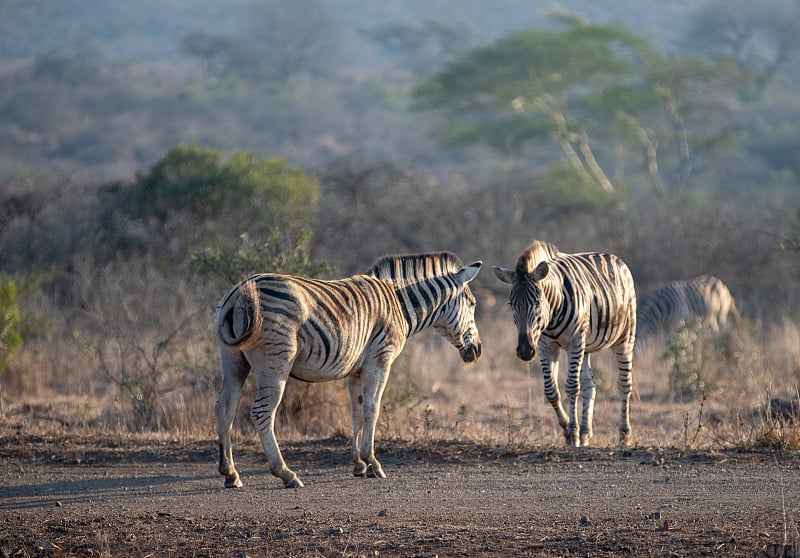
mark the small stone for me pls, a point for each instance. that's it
(383, 513)
(585, 520)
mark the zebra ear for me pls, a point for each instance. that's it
(504, 275)
(541, 271)
(468, 273)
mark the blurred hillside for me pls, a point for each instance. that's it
(101, 89)
(152, 153)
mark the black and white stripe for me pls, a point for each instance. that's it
(704, 299)
(283, 326)
(581, 303)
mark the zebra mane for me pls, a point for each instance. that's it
(416, 267)
(537, 251)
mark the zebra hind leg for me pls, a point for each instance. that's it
(234, 372)
(588, 391)
(271, 385)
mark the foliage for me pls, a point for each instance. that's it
(276, 254)
(584, 86)
(10, 338)
(191, 179)
(690, 353)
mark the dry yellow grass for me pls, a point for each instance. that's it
(432, 395)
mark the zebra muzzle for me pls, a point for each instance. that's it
(471, 352)
(525, 350)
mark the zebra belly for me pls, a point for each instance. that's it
(591, 346)
(312, 371)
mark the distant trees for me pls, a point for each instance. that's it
(422, 47)
(279, 40)
(598, 92)
(761, 37)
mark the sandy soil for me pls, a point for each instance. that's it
(80, 495)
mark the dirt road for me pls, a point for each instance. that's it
(88, 496)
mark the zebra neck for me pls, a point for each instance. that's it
(421, 304)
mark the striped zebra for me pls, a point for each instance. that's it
(581, 303)
(282, 326)
(705, 299)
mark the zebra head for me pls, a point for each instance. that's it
(529, 307)
(457, 319)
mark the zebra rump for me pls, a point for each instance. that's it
(238, 318)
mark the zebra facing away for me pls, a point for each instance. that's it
(705, 298)
(581, 303)
(282, 326)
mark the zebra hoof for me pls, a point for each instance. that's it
(233, 481)
(375, 472)
(572, 440)
(294, 483)
(360, 470)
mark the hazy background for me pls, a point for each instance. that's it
(152, 153)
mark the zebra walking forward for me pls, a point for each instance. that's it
(581, 303)
(705, 298)
(282, 326)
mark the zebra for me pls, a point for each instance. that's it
(581, 303)
(705, 298)
(283, 326)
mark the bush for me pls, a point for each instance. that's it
(10, 338)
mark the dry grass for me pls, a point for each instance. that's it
(59, 381)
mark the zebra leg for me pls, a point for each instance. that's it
(624, 356)
(572, 387)
(271, 385)
(588, 391)
(354, 387)
(549, 363)
(373, 383)
(234, 372)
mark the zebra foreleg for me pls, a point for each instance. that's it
(373, 384)
(624, 387)
(270, 391)
(549, 363)
(572, 388)
(354, 387)
(588, 392)
(234, 372)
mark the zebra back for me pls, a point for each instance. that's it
(422, 283)
(705, 298)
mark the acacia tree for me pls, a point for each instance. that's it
(599, 92)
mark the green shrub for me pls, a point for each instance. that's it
(10, 338)
(689, 350)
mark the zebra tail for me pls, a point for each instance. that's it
(239, 319)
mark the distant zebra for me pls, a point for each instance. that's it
(581, 303)
(313, 330)
(704, 298)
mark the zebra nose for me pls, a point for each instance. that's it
(524, 349)
(471, 352)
